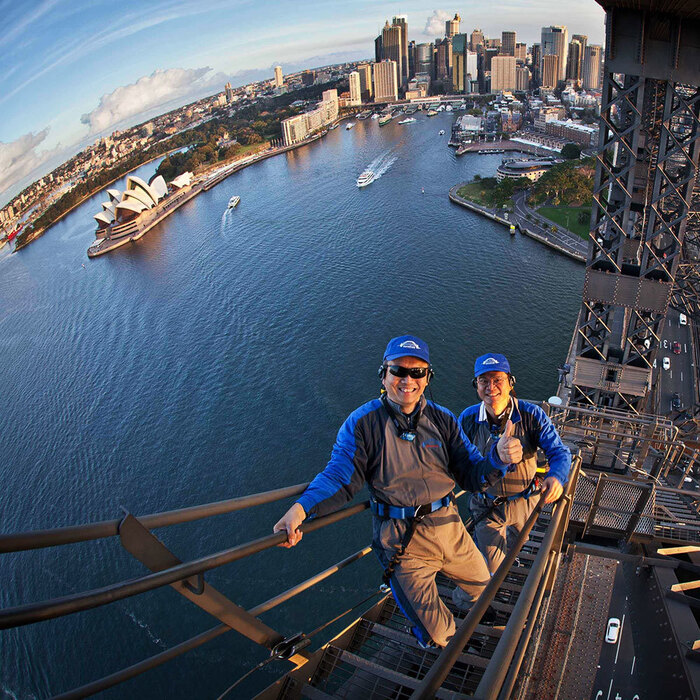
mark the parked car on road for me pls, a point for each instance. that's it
(613, 630)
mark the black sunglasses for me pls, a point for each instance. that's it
(412, 372)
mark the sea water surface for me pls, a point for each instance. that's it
(217, 357)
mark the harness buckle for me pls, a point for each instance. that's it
(423, 510)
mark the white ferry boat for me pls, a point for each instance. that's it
(408, 120)
(442, 132)
(349, 126)
(365, 179)
(233, 202)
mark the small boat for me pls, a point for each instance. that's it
(408, 120)
(442, 132)
(422, 190)
(432, 113)
(12, 234)
(349, 126)
(333, 126)
(233, 202)
(365, 178)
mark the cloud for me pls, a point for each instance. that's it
(435, 24)
(18, 158)
(147, 93)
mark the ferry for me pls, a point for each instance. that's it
(375, 116)
(333, 126)
(408, 120)
(349, 126)
(491, 150)
(365, 178)
(12, 234)
(233, 202)
(385, 119)
(442, 132)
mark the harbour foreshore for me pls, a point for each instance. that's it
(558, 243)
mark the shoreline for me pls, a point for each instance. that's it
(559, 246)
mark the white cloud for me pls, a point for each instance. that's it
(435, 24)
(18, 158)
(159, 88)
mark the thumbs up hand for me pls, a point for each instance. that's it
(510, 450)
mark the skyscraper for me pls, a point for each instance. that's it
(386, 82)
(476, 39)
(550, 70)
(452, 26)
(424, 59)
(583, 40)
(573, 63)
(365, 71)
(464, 65)
(508, 43)
(229, 93)
(521, 51)
(390, 47)
(355, 88)
(400, 21)
(555, 42)
(502, 73)
(536, 63)
(443, 58)
(592, 67)
(522, 78)
(279, 78)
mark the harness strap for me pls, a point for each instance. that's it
(532, 488)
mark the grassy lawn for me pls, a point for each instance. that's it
(479, 192)
(567, 217)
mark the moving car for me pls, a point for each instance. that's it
(613, 630)
(683, 319)
(676, 401)
(666, 363)
(676, 346)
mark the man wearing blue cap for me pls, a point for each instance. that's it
(409, 452)
(500, 511)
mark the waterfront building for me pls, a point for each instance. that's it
(401, 22)
(355, 89)
(502, 73)
(521, 51)
(464, 66)
(550, 71)
(294, 129)
(585, 136)
(279, 78)
(299, 127)
(592, 67)
(386, 84)
(424, 59)
(365, 71)
(476, 39)
(508, 43)
(555, 43)
(532, 169)
(522, 78)
(452, 26)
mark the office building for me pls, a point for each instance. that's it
(555, 42)
(583, 40)
(386, 81)
(452, 26)
(521, 51)
(229, 93)
(390, 47)
(424, 59)
(492, 44)
(365, 71)
(464, 66)
(503, 73)
(592, 67)
(508, 43)
(279, 78)
(402, 24)
(536, 53)
(585, 136)
(522, 78)
(489, 54)
(355, 89)
(476, 39)
(550, 71)
(443, 59)
(299, 127)
(573, 65)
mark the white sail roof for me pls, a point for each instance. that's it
(115, 195)
(131, 205)
(182, 180)
(104, 217)
(159, 186)
(140, 195)
(135, 183)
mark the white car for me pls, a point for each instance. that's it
(613, 630)
(683, 319)
(666, 364)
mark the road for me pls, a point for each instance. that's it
(617, 665)
(679, 377)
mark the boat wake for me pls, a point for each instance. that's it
(382, 163)
(226, 221)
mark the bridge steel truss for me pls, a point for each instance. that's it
(646, 169)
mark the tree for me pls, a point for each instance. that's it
(571, 151)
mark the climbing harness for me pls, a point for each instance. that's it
(532, 488)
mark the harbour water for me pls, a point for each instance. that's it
(217, 357)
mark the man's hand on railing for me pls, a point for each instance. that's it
(552, 489)
(290, 523)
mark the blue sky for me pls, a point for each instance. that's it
(72, 70)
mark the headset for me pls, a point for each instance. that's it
(381, 372)
(511, 381)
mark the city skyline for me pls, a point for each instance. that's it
(76, 72)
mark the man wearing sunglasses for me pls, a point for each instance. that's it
(410, 452)
(501, 510)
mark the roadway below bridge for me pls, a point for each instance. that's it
(675, 366)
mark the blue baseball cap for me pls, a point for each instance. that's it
(407, 345)
(492, 362)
